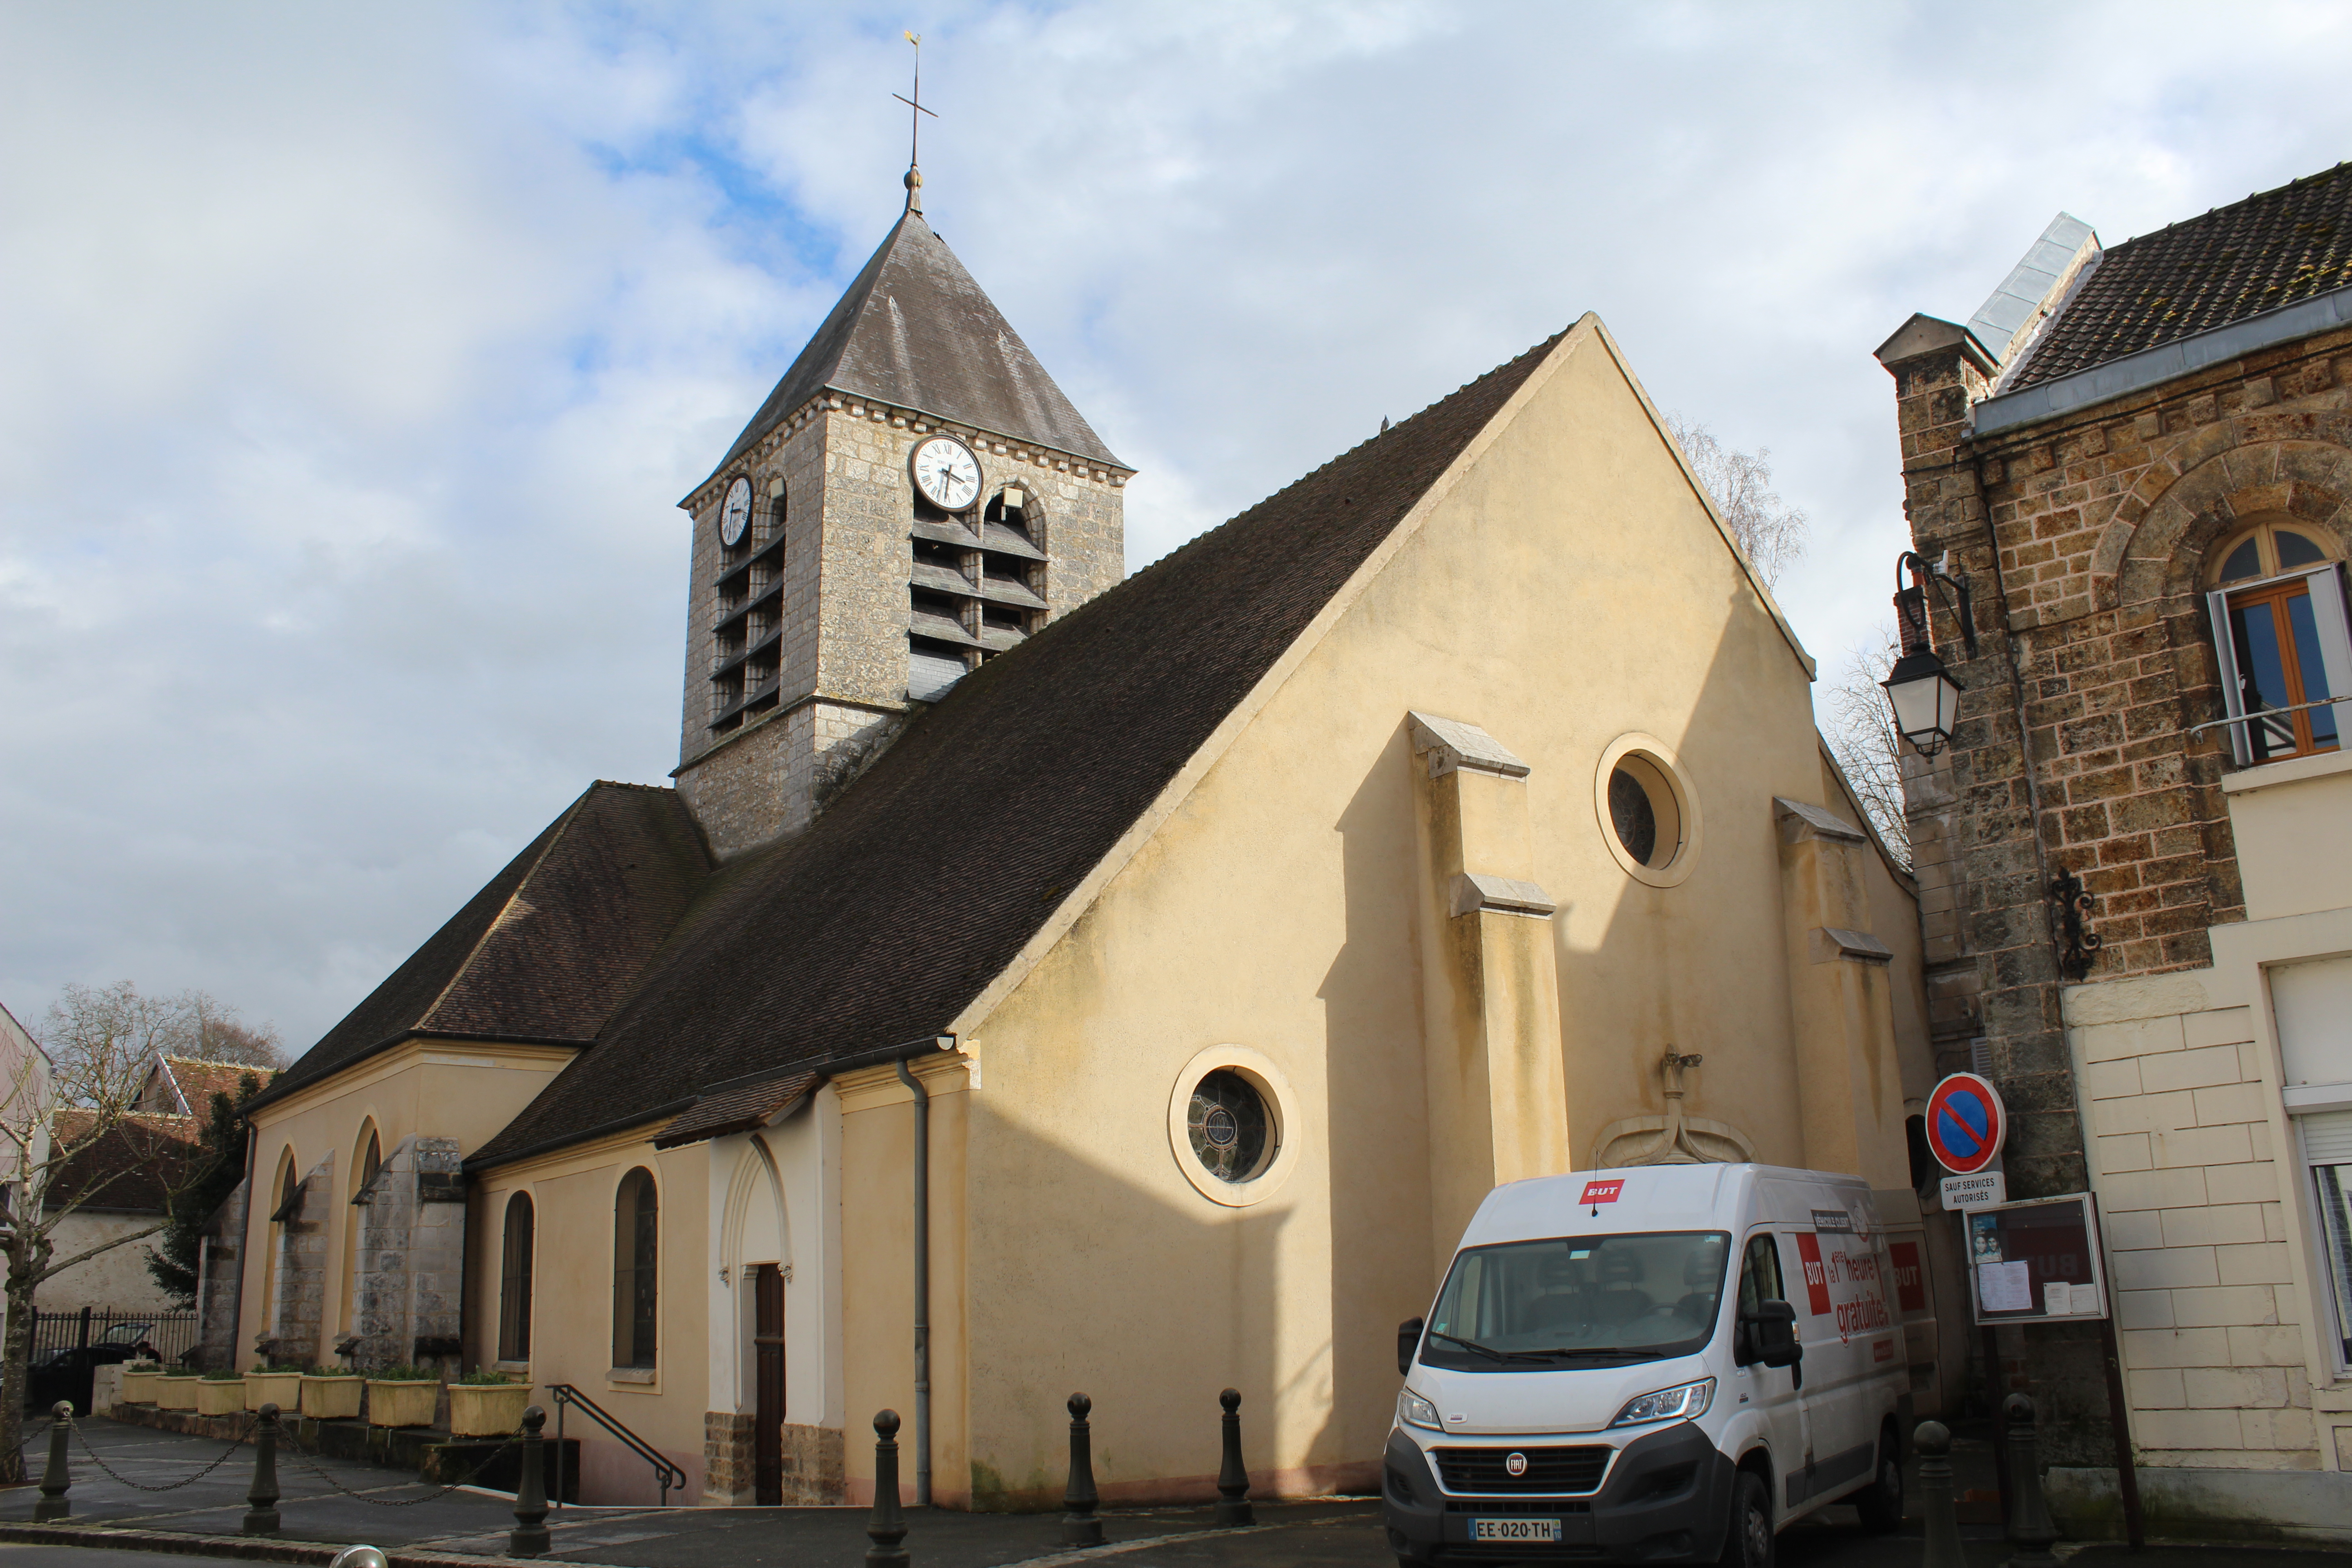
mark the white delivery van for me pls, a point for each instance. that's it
(1661, 1364)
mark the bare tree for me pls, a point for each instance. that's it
(1768, 529)
(1859, 727)
(91, 1028)
(69, 1131)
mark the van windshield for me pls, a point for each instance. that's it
(1586, 1301)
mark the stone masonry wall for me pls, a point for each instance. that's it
(299, 1287)
(410, 1257)
(2084, 539)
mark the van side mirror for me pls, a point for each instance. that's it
(1408, 1342)
(1772, 1333)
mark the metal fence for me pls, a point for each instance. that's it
(171, 1334)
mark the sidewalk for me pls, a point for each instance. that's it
(334, 1502)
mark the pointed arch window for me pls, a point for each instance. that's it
(637, 1266)
(2282, 640)
(514, 1281)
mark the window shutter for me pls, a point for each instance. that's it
(2327, 1138)
(2334, 635)
(2225, 654)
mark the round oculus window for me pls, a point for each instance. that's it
(1633, 817)
(1228, 1126)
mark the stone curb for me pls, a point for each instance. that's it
(249, 1549)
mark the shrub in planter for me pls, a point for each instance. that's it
(330, 1394)
(139, 1381)
(220, 1394)
(279, 1385)
(403, 1396)
(487, 1405)
(176, 1390)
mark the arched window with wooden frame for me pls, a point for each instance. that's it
(514, 1281)
(2283, 639)
(637, 1266)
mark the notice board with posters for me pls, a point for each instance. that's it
(2038, 1260)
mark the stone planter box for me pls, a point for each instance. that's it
(487, 1409)
(176, 1390)
(402, 1401)
(139, 1387)
(330, 1398)
(283, 1389)
(219, 1396)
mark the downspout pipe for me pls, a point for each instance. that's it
(922, 1283)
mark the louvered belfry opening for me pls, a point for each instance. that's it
(746, 659)
(977, 587)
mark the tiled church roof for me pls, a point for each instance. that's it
(916, 332)
(549, 948)
(2271, 249)
(878, 924)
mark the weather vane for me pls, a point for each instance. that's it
(915, 129)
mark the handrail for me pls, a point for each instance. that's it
(665, 1473)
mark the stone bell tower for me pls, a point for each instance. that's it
(915, 496)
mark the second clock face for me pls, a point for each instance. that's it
(947, 473)
(736, 515)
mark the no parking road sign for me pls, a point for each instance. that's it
(1966, 1123)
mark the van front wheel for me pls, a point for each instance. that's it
(1881, 1502)
(1748, 1543)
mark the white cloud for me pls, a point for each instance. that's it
(358, 357)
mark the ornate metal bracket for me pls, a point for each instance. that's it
(2077, 943)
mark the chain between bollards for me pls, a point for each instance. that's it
(2030, 1529)
(1233, 1480)
(55, 1479)
(888, 1527)
(1079, 1525)
(529, 1536)
(1933, 1443)
(261, 1500)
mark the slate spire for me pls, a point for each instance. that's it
(915, 330)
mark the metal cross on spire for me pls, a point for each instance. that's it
(914, 130)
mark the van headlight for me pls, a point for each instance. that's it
(1684, 1402)
(1415, 1411)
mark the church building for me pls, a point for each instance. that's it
(1035, 980)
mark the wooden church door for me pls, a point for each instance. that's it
(768, 1352)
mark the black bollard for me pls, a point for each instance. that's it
(1233, 1480)
(1079, 1525)
(261, 1502)
(1933, 1442)
(2030, 1529)
(529, 1536)
(887, 1529)
(55, 1480)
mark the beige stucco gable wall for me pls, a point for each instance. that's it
(1567, 588)
(442, 1088)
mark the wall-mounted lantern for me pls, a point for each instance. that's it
(1926, 699)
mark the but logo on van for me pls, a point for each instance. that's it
(1602, 1191)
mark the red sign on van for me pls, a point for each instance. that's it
(1816, 1279)
(1602, 1191)
(1910, 1282)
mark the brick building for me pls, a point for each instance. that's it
(2140, 458)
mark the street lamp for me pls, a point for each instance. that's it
(1924, 697)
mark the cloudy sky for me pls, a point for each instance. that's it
(353, 358)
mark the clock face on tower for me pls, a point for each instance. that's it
(947, 473)
(736, 515)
